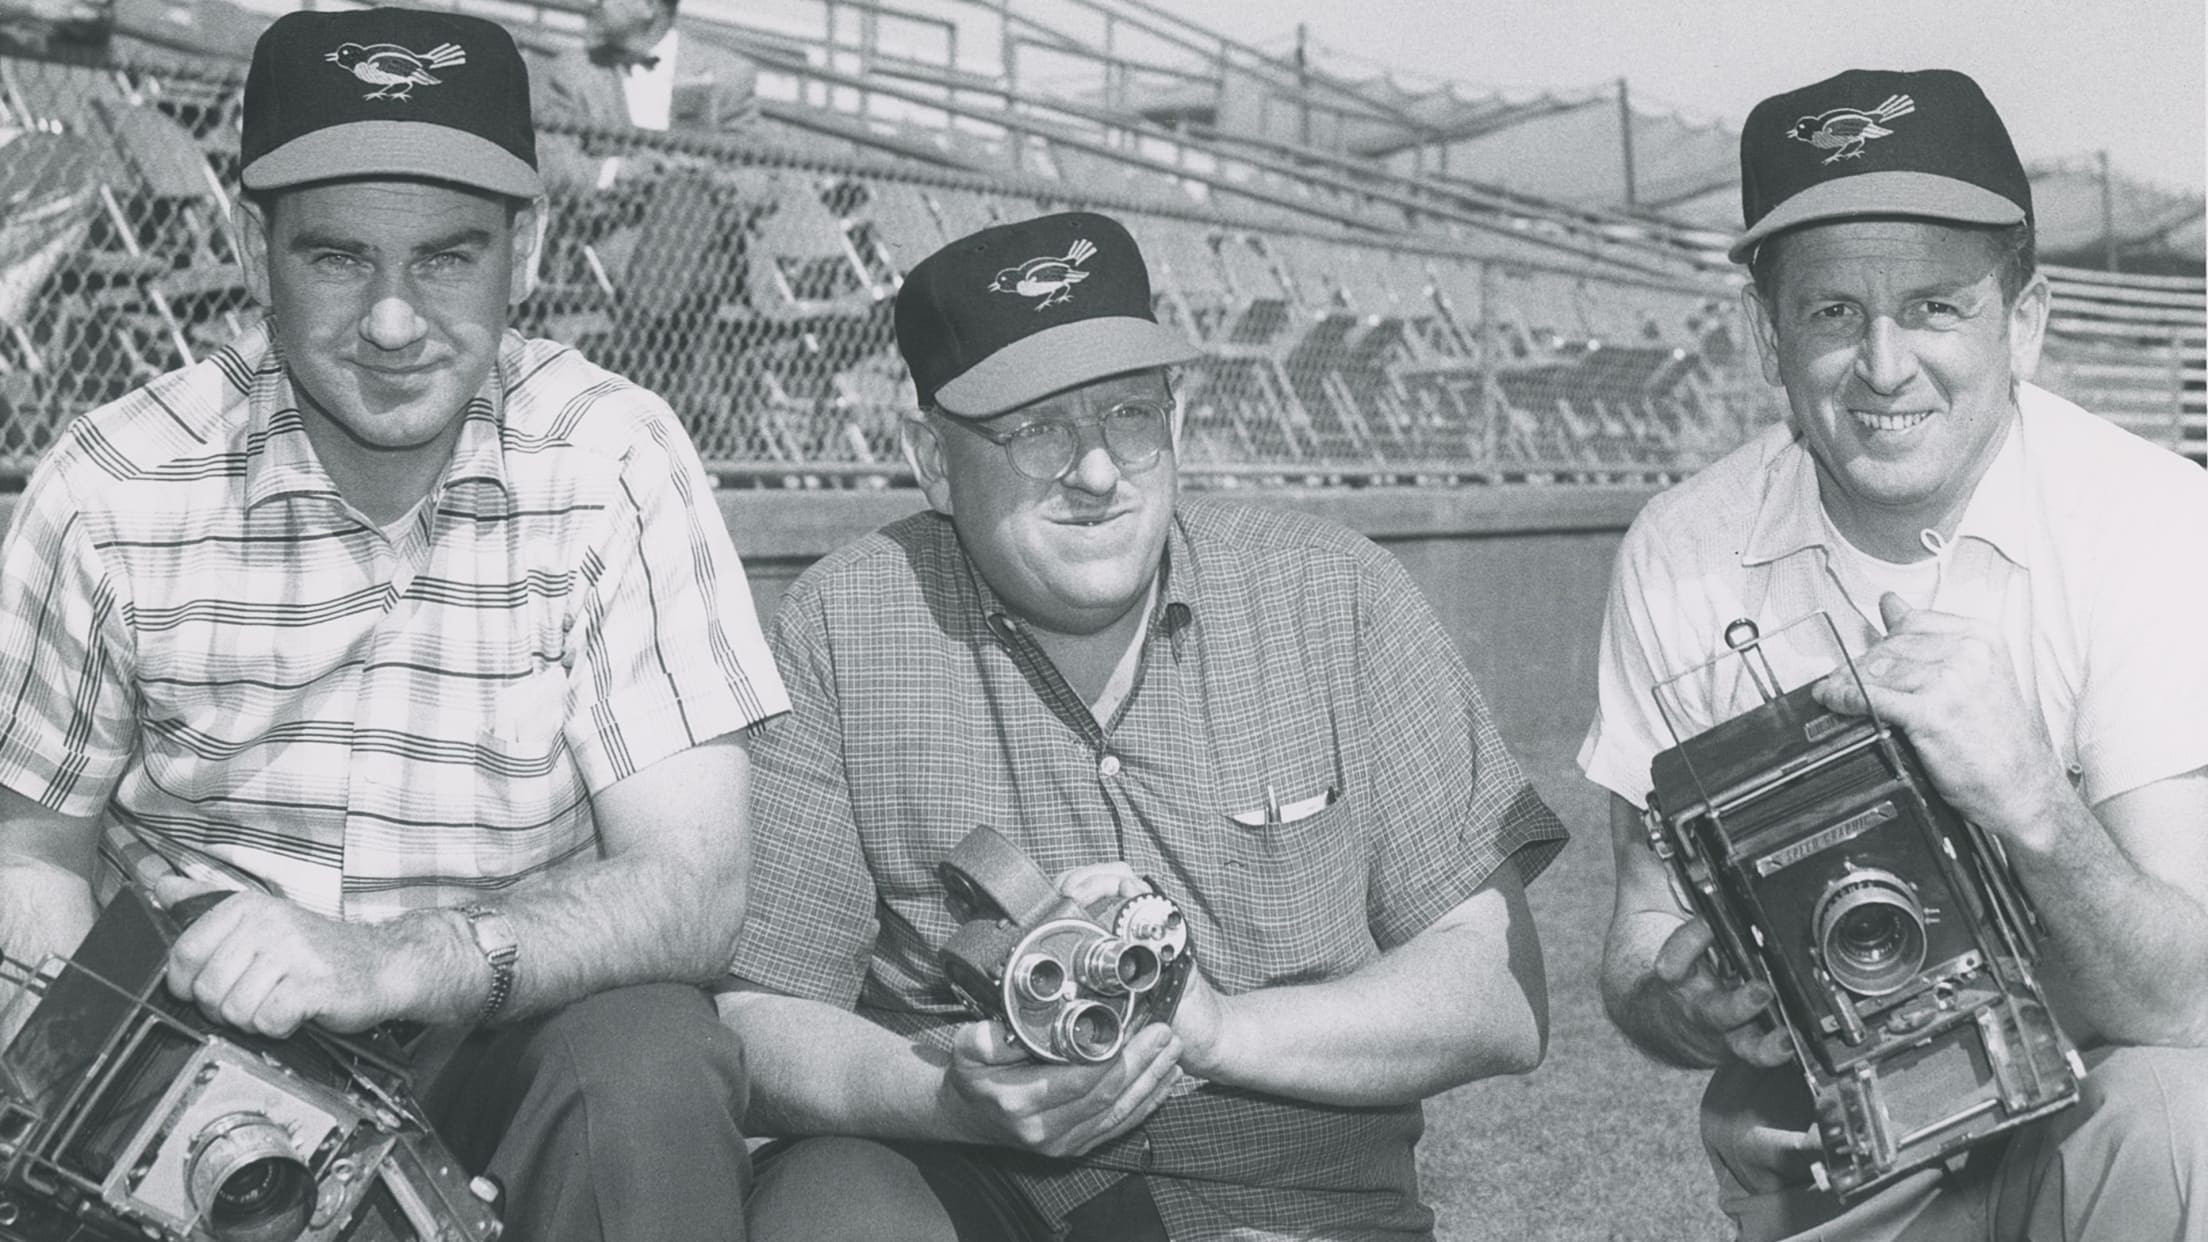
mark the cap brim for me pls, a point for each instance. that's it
(398, 149)
(1917, 194)
(1059, 358)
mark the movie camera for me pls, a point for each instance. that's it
(125, 1114)
(1070, 982)
(1893, 936)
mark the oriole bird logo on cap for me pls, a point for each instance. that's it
(393, 70)
(1050, 279)
(1844, 131)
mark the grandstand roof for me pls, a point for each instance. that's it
(1688, 171)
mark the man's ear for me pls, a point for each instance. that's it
(923, 449)
(253, 248)
(528, 249)
(2028, 327)
(1766, 332)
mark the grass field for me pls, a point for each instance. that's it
(1600, 1143)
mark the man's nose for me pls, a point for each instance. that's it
(1883, 358)
(1093, 469)
(391, 321)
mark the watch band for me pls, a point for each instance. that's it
(494, 935)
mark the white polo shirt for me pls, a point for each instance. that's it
(2086, 544)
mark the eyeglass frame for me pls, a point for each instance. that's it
(1004, 440)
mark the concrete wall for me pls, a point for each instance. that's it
(1517, 573)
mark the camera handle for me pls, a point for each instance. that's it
(187, 911)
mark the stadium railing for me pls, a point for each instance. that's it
(2132, 349)
(749, 280)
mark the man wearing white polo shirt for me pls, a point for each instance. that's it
(2022, 586)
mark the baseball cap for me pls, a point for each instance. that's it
(1014, 313)
(1872, 142)
(398, 92)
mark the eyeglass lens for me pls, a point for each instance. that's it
(1134, 434)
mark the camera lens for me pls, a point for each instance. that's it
(1870, 930)
(1041, 977)
(247, 1182)
(1114, 967)
(1089, 1032)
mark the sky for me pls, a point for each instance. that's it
(2070, 77)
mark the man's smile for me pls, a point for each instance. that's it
(1890, 421)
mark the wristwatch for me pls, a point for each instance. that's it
(494, 935)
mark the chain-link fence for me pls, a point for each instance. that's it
(749, 279)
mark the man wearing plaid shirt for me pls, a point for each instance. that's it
(426, 638)
(1255, 708)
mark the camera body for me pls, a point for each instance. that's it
(125, 1115)
(1894, 939)
(1071, 983)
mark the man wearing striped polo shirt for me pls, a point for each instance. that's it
(425, 637)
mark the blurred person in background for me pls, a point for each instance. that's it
(1254, 706)
(634, 70)
(423, 639)
(2019, 583)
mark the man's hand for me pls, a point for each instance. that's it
(1726, 1012)
(1948, 682)
(1200, 1020)
(1004, 1098)
(263, 964)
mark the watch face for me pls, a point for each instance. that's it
(493, 933)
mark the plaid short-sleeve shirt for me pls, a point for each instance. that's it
(202, 643)
(1289, 661)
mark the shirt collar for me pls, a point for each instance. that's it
(280, 461)
(1177, 596)
(1788, 520)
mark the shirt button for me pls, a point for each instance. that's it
(1109, 768)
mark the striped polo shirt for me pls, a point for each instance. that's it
(205, 645)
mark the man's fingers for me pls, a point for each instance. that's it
(246, 1002)
(988, 1043)
(1756, 1046)
(1682, 950)
(168, 890)
(1778, 1140)
(1726, 1008)
(1099, 881)
(1141, 1100)
(1149, 1062)
(1893, 610)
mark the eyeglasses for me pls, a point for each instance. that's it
(1135, 433)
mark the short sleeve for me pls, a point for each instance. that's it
(1628, 730)
(811, 925)
(2143, 705)
(1453, 805)
(667, 648)
(69, 724)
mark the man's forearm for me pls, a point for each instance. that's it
(2131, 948)
(816, 1069)
(45, 910)
(612, 923)
(1440, 1011)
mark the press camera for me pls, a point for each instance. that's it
(126, 1115)
(1072, 983)
(1896, 942)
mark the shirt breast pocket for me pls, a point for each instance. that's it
(1298, 888)
(527, 787)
